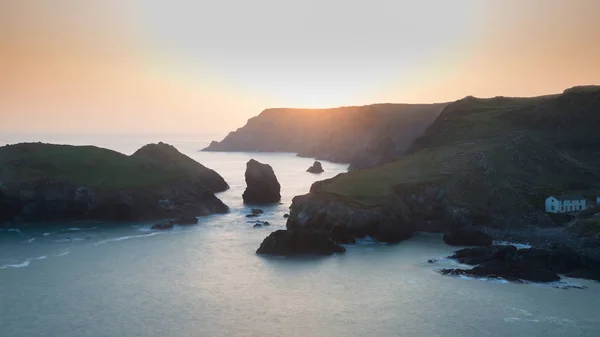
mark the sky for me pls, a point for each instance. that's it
(152, 66)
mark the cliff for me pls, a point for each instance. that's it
(488, 162)
(43, 182)
(364, 136)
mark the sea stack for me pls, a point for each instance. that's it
(315, 168)
(262, 185)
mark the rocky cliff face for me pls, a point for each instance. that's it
(486, 162)
(43, 182)
(362, 136)
(46, 200)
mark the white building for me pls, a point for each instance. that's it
(566, 203)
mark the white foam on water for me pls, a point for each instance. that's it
(76, 229)
(367, 240)
(508, 243)
(126, 238)
(31, 240)
(19, 265)
(483, 279)
(46, 234)
(43, 257)
(63, 253)
(13, 230)
(143, 229)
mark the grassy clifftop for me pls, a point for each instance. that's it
(100, 168)
(493, 154)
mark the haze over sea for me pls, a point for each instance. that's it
(101, 279)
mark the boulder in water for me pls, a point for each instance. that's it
(316, 168)
(262, 185)
(288, 243)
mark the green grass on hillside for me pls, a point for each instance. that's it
(87, 166)
(478, 150)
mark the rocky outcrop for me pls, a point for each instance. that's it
(364, 136)
(316, 168)
(185, 220)
(467, 237)
(262, 185)
(531, 264)
(43, 182)
(343, 219)
(168, 156)
(289, 243)
(254, 213)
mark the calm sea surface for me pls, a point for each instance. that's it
(99, 279)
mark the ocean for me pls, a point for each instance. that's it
(102, 279)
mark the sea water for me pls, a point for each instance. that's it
(102, 279)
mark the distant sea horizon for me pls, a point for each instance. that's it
(117, 141)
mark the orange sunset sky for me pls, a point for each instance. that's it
(199, 66)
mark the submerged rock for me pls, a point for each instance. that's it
(262, 185)
(261, 224)
(467, 237)
(184, 220)
(287, 243)
(316, 168)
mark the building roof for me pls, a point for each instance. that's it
(564, 197)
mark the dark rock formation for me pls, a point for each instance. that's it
(261, 224)
(478, 255)
(515, 271)
(288, 243)
(255, 213)
(285, 216)
(467, 237)
(262, 185)
(315, 168)
(184, 220)
(533, 264)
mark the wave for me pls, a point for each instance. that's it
(126, 238)
(63, 253)
(46, 234)
(69, 240)
(31, 240)
(10, 230)
(77, 229)
(19, 265)
(367, 240)
(508, 243)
